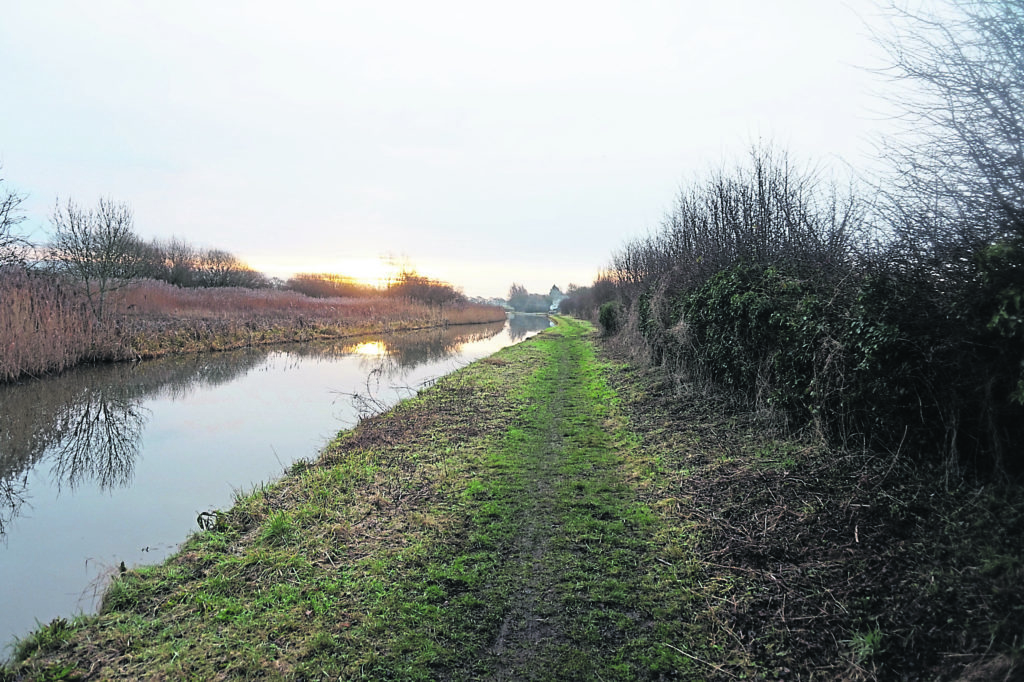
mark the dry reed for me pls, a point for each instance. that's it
(46, 326)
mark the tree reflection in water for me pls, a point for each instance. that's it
(97, 439)
(398, 354)
(387, 362)
(88, 424)
(12, 497)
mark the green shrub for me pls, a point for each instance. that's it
(880, 357)
(1001, 270)
(815, 350)
(759, 331)
(610, 317)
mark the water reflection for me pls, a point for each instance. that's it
(521, 325)
(87, 424)
(97, 439)
(85, 427)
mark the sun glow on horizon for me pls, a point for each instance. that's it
(376, 272)
(489, 278)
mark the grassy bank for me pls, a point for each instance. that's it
(553, 512)
(47, 325)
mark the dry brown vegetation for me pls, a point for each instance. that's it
(47, 326)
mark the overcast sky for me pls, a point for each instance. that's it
(484, 142)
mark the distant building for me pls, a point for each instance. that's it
(556, 296)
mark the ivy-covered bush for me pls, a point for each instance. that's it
(764, 333)
(610, 317)
(871, 358)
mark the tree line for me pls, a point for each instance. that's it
(521, 300)
(407, 284)
(891, 316)
(99, 248)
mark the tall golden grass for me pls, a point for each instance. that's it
(46, 326)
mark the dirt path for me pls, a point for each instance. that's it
(580, 546)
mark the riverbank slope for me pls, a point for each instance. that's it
(554, 512)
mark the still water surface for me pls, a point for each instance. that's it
(114, 463)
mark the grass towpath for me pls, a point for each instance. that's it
(483, 530)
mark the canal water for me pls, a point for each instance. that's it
(112, 464)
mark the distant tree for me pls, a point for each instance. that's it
(151, 263)
(416, 287)
(178, 262)
(14, 248)
(97, 247)
(517, 296)
(575, 301)
(328, 285)
(523, 301)
(218, 268)
(215, 268)
(584, 302)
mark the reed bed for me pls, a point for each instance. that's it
(46, 326)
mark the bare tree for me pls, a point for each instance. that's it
(218, 268)
(14, 248)
(97, 247)
(959, 172)
(179, 259)
(413, 286)
(956, 207)
(768, 211)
